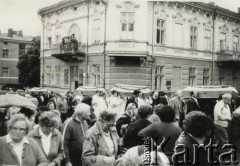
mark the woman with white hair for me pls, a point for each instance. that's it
(16, 148)
(101, 142)
(222, 115)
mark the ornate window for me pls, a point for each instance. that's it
(57, 32)
(127, 25)
(193, 37)
(74, 30)
(235, 43)
(206, 76)
(158, 77)
(161, 31)
(208, 39)
(96, 31)
(222, 41)
(192, 76)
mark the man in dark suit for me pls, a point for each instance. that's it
(54, 99)
(192, 104)
(133, 98)
(41, 99)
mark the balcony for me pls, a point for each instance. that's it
(228, 57)
(68, 51)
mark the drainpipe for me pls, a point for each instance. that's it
(43, 61)
(213, 43)
(86, 81)
(153, 45)
(104, 44)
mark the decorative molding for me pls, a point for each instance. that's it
(178, 18)
(128, 5)
(161, 14)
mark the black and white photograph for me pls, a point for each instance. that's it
(119, 83)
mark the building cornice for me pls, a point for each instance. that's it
(15, 41)
(58, 6)
(213, 8)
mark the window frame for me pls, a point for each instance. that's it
(4, 69)
(192, 76)
(127, 34)
(193, 37)
(161, 39)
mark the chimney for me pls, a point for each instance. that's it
(212, 3)
(10, 32)
(20, 33)
(238, 10)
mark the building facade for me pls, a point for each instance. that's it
(163, 45)
(12, 45)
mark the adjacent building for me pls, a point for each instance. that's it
(12, 45)
(160, 44)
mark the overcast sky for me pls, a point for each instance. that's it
(22, 14)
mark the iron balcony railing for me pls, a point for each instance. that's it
(63, 48)
(228, 55)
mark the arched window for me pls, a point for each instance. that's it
(75, 29)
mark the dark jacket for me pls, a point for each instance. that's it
(158, 133)
(32, 154)
(190, 144)
(56, 149)
(192, 105)
(73, 137)
(123, 120)
(95, 147)
(131, 99)
(131, 138)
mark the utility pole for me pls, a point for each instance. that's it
(214, 15)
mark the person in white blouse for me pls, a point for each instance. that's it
(49, 138)
(222, 115)
(16, 148)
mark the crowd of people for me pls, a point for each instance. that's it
(106, 130)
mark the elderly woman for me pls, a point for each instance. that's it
(127, 118)
(101, 142)
(16, 149)
(49, 138)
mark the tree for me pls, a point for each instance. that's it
(29, 65)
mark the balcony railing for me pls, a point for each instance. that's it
(228, 56)
(63, 48)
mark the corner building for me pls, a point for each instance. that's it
(12, 46)
(163, 45)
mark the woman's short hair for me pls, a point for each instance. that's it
(87, 100)
(107, 115)
(144, 111)
(27, 112)
(165, 113)
(197, 124)
(49, 103)
(19, 117)
(48, 119)
(130, 106)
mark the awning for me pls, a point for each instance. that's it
(128, 55)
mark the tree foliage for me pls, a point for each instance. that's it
(29, 65)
